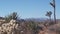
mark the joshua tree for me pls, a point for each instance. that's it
(53, 5)
(49, 15)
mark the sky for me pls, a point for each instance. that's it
(28, 8)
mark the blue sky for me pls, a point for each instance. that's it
(28, 8)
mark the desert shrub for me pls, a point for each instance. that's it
(31, 25)
(11, 16)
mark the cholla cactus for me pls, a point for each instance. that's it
(9, 27)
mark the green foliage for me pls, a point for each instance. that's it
(11, 16)
(14, 15)
(32, 26)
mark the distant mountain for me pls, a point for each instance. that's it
(36, 19)
(1, 17)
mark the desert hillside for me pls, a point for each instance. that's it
(28, 27)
